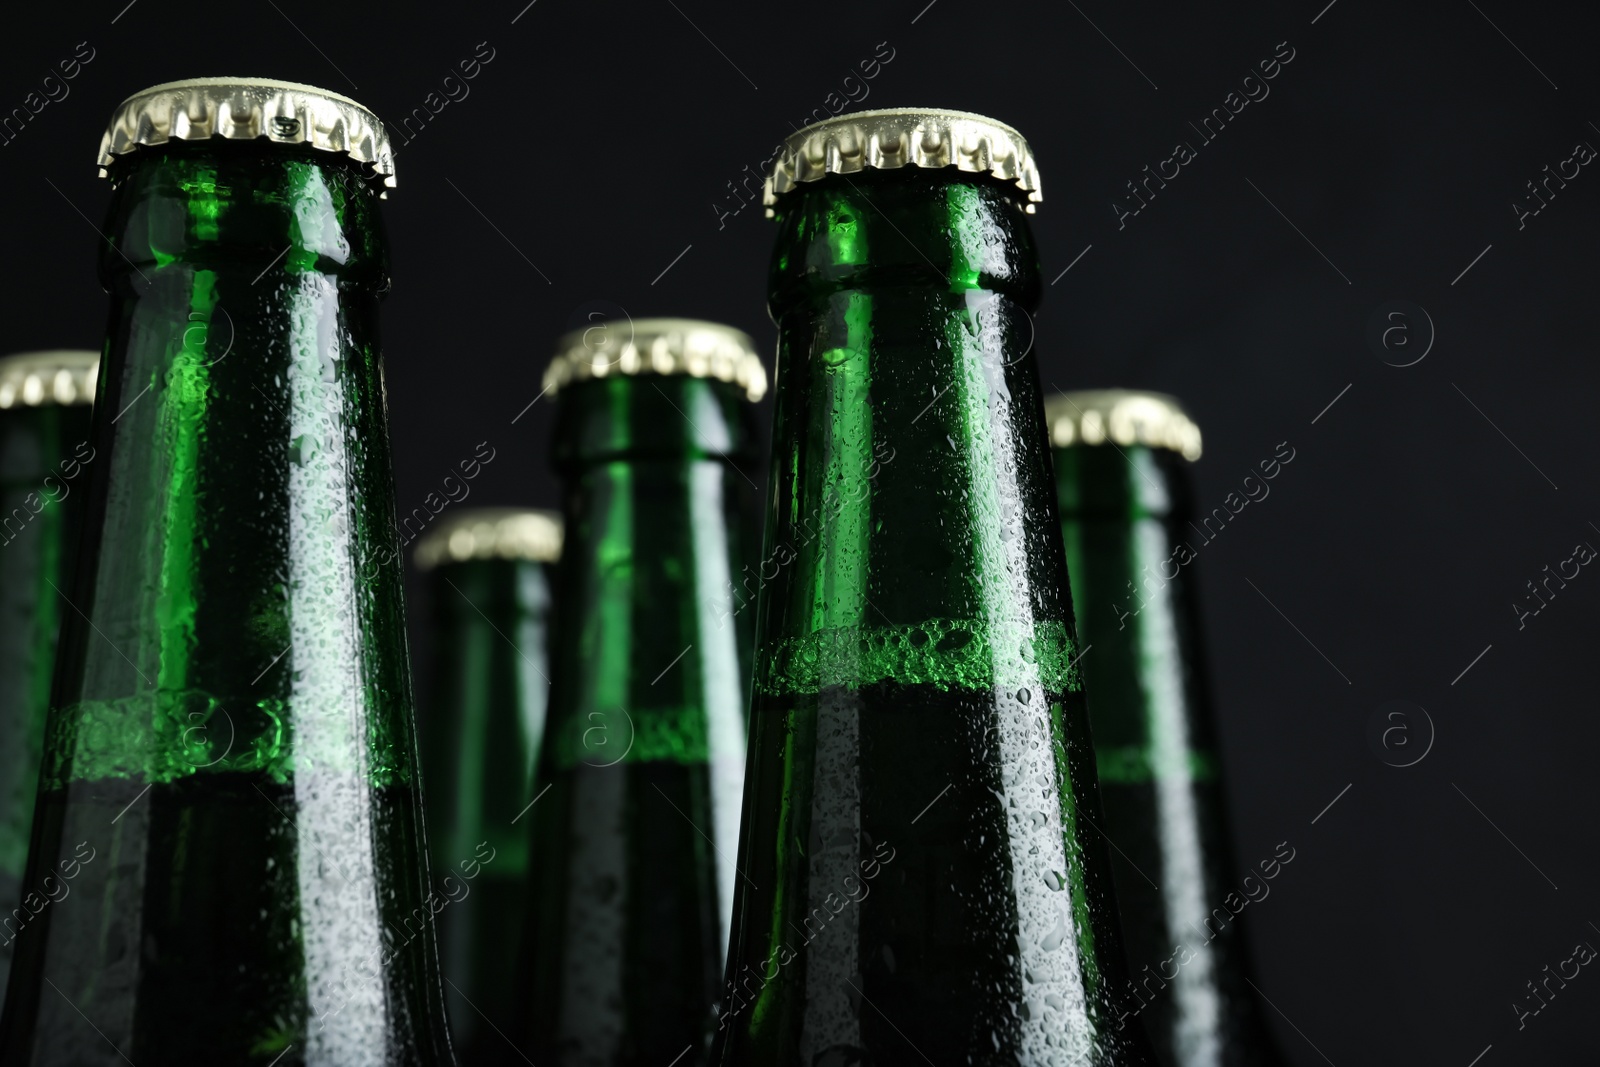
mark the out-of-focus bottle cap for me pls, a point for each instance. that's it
(491, 533)
(1121, 417)
(244, 109)
(903, 137)
(658, 346)
(37, 379)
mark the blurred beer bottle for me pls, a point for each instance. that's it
(1125, 510)
(921, 882)
(633, 843)
(44, 449)
(490, 572)
(228, 783)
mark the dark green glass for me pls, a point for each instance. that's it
(921, 886)
(490, 573)
(644, 754)
(1125, 510)
(44, 451)
(229, 763)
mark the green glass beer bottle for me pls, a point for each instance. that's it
(920, 880)
(1125, 513)
(490, 573)
(44, 448)
(636, 816)
(228, 791)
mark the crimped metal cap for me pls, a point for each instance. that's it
(246, 108)
(903, 137)
(492, 533)
(1123, 417)
(35, 379)
(658, 346)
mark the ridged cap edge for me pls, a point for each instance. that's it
(1123, 417)
(37, 379)
(898, 137)
(246, 108)
(690, 347)
(491, 533)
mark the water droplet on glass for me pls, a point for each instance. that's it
(1056, 937)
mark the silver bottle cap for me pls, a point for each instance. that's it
(1122, 417)
(491, 533)
(658, 346)
(36, 379)
(244, 109)
(903, 137)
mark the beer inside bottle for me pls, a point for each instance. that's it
(637, 810)
(44, 453)
(227, 822)
(920, 882)
(1125, 516)
(490, 572)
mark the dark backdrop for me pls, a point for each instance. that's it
(586, 168)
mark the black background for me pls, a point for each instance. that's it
(1385, 160)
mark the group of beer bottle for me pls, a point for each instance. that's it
(695, 796)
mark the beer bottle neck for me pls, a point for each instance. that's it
(1124, 517)
(491, 690)
(1121, 484)
(654, 478)
(507, 589)
(42, 455)
(240, 423)
(650, 418)
(911, 420)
